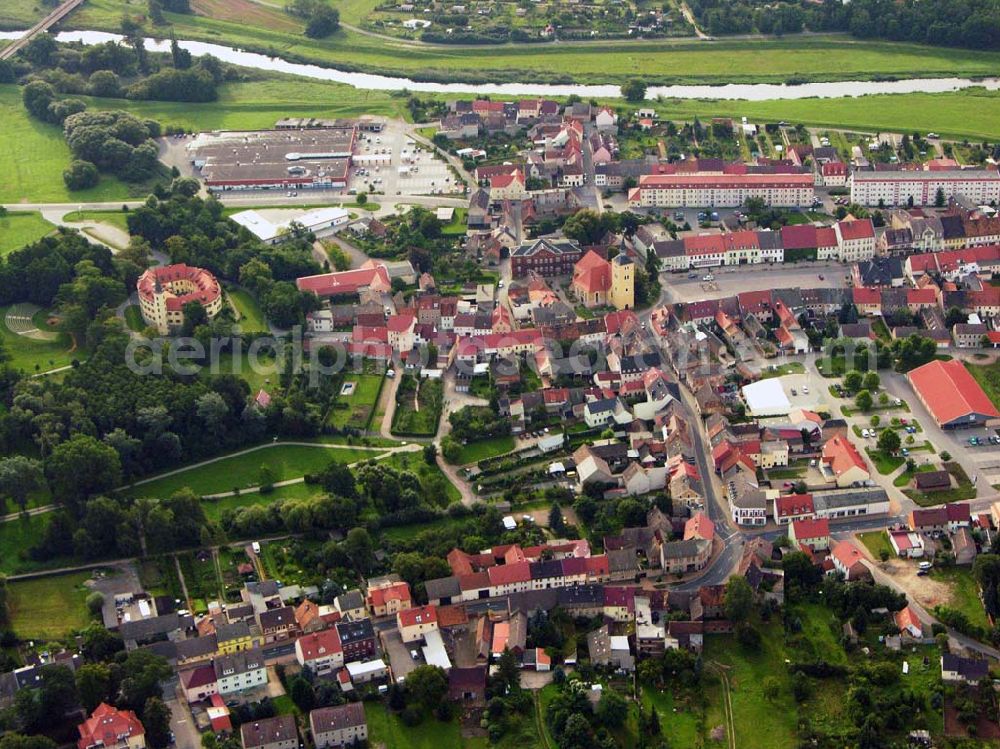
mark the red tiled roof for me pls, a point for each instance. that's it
(320, 644)
(811, 528)
(419, 615)
(106, 725)
(394, 592)
(790, 505)
(345, 282)
(950, 392)
(842, 455)
(508, 574)
(857, 229)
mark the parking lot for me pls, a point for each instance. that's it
(393, 163)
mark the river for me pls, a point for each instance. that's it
(744, 91)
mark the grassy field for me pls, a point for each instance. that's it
(884, 463)
(118, 219)
(285, 462)
(18, 229)
(16, 537)
(988, 377)
(760, 723)
(48, 608)
(355, 410)
(819, 639)
(964, 593)
(386, 729)
(476, 451)
(775, 60)
(263, 376)
(676, 720)
(31, 355)
(21, 14)
(249, 312)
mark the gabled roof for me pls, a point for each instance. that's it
(950, 392)
(320, 644)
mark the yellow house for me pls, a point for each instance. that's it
(232, 638)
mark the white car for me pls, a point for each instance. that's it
(865, 433)
(805, 389)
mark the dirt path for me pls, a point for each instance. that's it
(388, 407)
(184, 587)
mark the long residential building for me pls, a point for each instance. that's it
(980, 186)
(721, 190)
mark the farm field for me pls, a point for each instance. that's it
(18, 229)
(48, 608)
(284, 461)
(32, 355)
(774, 60)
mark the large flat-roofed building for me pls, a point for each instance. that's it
(275, 226)
(952, 395)
(274, 159)
(981, 186)
(721, 190)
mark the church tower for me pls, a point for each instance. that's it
(622, 294)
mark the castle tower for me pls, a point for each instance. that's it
(622, 294)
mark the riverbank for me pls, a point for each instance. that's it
(805, 58)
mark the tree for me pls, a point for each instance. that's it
(863, 400)
(95, 602)
(612, 710)
(426, 687)
(93, 683)
(18, 741)
(302, 694)
(556, 523)
(945, 456)
(508, 671)
(633, 90)
(939, 198)
(771, 688)
(871, 381)
(888, 441)
(19, 477)
(360, 549)
(105, 83)
(739, 599)
(361, 198)
(156, 721)
(853, 381)
(323, 22)
(80, 467)
(139, 676)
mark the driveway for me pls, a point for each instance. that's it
(182, 724)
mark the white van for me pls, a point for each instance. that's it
(926, 565)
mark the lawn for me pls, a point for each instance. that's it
(457, 225)
(16, 537)
(760, 723)
(31, 355)
(264, 374)
(885, 463)
(355, 410)
(21, 14)
(876, 542)
(779, 370)
(819, 639)
(964, 593)
(118, 219)
(677, 721)
(482, 449)
(386, 729)
(242, 471)
(248, 312)
(48, 608)
(20, 228)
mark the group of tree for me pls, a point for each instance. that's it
(576, 724)
(974, 25)
(321, 19)
(117, 70)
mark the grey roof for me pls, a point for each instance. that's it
(557, 247)
(277, 618)
(443, 587)
(622, 560)
(351, 632)
(156, 625)
(259, 733)
(925, 176)
(327, 719)
(234, 631)
(848, 498)
(240, 662)
(680, 549)
(581, 595)
(970, 668)
(197, 647)
(352, 599)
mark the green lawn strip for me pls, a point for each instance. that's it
(883, 462)
(876, 542)
(242, 471)
(760, 723)
(355, 410)
(251, 318)
(964, 592)
(988, 377)
(133, 318)
(473, 452)
(783, 369)
(118, 219)
(18, 229)
(31, 355)
(48, 608)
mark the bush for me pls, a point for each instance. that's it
(95, 602)
(80, 175)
